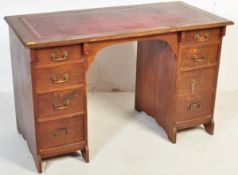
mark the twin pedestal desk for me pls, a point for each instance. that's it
(178, 59)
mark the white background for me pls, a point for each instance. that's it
(114, 67)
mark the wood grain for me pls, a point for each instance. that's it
(194, 106)
(197, 57)
(61, 132)
(23, 94)
(156, 81)
(49, 104)
(58, 77)
(44, 56)
(190, 36)
(197, 81)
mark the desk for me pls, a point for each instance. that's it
(177, 66)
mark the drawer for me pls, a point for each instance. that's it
(197, 81)
(59, 76)
(199, 56)
(192, 107)
(202, 36)
(51, 105)
(61, 132)
(57, 55)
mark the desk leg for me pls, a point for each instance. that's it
(138, 80)
(209, 127)
(38, 163)
(172, 134)
(85, 154)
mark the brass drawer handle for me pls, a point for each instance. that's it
(193, 105)
(193, 85)
(64, 56)
(59, 132)
(196, 59)
(199, 38)
(63, 80)
(65, 106)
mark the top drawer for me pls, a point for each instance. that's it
(57, 55)
(201, 36)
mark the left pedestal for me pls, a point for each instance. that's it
(50, 99)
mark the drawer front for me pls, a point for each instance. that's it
(192, 107)
(59, 76)
(202, 36)
(197, 81)
(199, 56)
(61, 103)
(61, 132)
(57, 55)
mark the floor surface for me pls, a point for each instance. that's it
(125, 142)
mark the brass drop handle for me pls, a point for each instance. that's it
(63, 57)
(59, 132)
(199, 38)
(193, 83)
(196, 59)
(64, 106)
(193, 105)
(201, 59)
(58, 81)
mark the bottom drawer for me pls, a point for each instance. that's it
(192, 107)
(61, 132)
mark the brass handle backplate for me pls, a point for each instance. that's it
(63, 80)
(196, 59)
(59, 132)
(64, 106)
(199, 38)
(63, 57)
(193, 105)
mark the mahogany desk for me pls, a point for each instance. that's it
(177, 66)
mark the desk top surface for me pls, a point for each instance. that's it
(45, 29)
